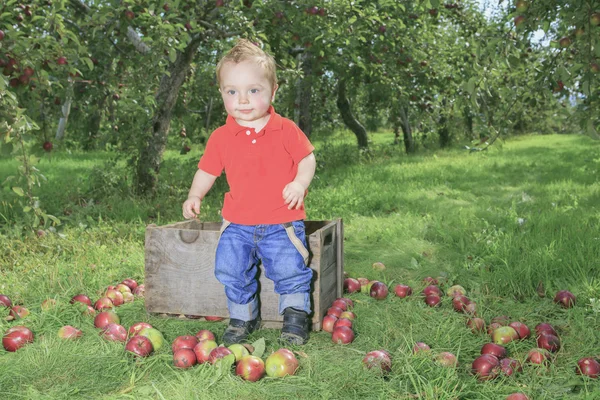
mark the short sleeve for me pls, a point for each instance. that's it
(296, 142)
(212, 161)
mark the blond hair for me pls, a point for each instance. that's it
(245, 50)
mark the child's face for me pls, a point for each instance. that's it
(246, 92)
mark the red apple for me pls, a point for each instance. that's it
(115, 296)
(351, 285)
(565, 298)
(212, 318)
(203, 350)
(545, 327)
(123, 288)
(281, 363)
(432, 289)
(103, 303)
(16, 337)
(519, 19)
(494, 349)
(184, 358)
(137, 327)
(476, 324)
(88, 310)
(402, 291)
(538, 356)
(378, 359)
(433, 300)
(342, 322)
(420, 347)
(378, 291)
(18, 312)
(342, 335)
(217, 353)
(486, 367)
(548, 341)
(446, 359)
(61, 60)
(104, 318)
(517, 396)
(205, 334)
(349, 302)
(459, 302)
(364, 284)
(348, 315)
(141, 346)
(184, 342)
(328, 322)
(140, 290)
(129, 14)
(5, 301)
(428, 280)
(588, 366)
(250, 368)
(128, 297)
(132, 284)
(509, 366)
(82, 298)
(69, 332)
(339, 303)
(114, 332)
(522, 329)
(336, 311)
(504, 335)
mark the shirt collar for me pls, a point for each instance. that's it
(275, 123)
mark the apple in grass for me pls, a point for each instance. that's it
(81, 298)
(128, 297)
(184, 342)
(456, 290)
(538, 356)
(509, 366)
(336, 311)
(218, 353)
(522, 330)
(432, 289)
(131, 283)
(459, 302)
(104, 318)
(114, 332)
(589, 367)
(115, 296)
(205, 334)
(137, 327)
(501, 319)
(212, 318)
(103, 303)
(48, 304)
(433, 300)
(504, 335)
(517, 396)
(476, 324)
(16, 337)
(351, 285)
(5, 301)
(339, 303)
(328, 322)
(18, 312)
(494, 349)
(548, 341)
(141, 346)
(565, 298)
(402, 291)
(155, 337)
(379, 360)
(420, 347)
(492, 327)
(239, 351)
(342, 335)
(545, 327)
(446, 359)
(69, 332)
(281, 363)
(429, 280)
(364, 283)
(123, 288)
(486, 367)
(348, 315)
(250, 368)
(349, 302)
(203, 350)
(184, 358)
(378, 291)
(342, 322)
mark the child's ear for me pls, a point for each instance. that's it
(274, 91)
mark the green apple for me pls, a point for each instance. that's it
(239, 351)
(155, 337)
(281, 363)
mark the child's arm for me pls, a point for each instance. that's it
(201, 184)
(293, 192)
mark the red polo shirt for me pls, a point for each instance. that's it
(257, 165)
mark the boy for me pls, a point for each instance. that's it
(269, 164)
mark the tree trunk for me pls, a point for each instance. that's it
(148, 165)
(304, 94)
(351, 122)
(66, 110)
(95, 122)
(409, 140)
(444, 132)
(469, 122)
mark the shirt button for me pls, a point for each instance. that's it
(247, 132)
(253, 141)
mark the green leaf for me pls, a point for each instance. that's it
(471, 85)
(352, 20)
(172, 55)
(18, 191)
(259, 347)
(88, 62)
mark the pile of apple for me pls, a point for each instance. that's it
(494, 360)
(189, 350)
(339, 320)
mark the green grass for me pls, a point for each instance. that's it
(498, 223)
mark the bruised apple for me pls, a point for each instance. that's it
(102, 319)
(184, 358)
(402, 291)
(114, 333)
(203, 350)
(589, 367)
(141, 346)
(250, 368)
(184, 342)
(486, 367)
(137, 327)
(69, 332)
(351, 285)
(379, 360)
(82, 298)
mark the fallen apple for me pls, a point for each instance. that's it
(509, 366)
(104, 318)
(140, 290)
(137, 327)
(69, 332)
(459, 302)
(364, 283)
(348, 315)
(131, 283)
(184, 358)
(428, 280)
(402, 291)
(378, 291)
(204, 334)
(504, 335)
(123, 288)
(494, 349)
(128, 297)
(476, 324)
(335, 311)
(281, 363)
(486, 367)
(48, 304)
(218, 353)
(184, 342)
(517, 396)
(538, 356)
(545, 327)
(328, 322)
(5, 301)
(342, 335)
(589, 367)
(501, 319)
(18, 312)
(446, 359)
(351, 285)
(155, 336)
(522, 330)
(239, 351)
(492, 327)
(114, 332)
(378, 359)
(141, 346)
(433, 300)
(548, 341)
(420, 347)
(82, 298)
(103, 303)
(16, 337)
(342, 322)
(115, 296)
(378, 266)
(341, 304)
(203, 350)
(565, 298)
(213, 318)
(349, 302)
(432, 289)
(456, 290)
(250, 368)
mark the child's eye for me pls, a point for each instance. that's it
(232, 92)
(254, 91)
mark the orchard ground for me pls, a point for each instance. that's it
(510, 224)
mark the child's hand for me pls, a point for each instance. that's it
(293, 194)
(191, 207)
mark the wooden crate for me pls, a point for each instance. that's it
(179, 267)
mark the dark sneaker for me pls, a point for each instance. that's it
(295, 326)
(238, 330)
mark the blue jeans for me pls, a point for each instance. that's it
(283, 255)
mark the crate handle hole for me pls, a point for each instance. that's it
(328, 239)
(188, 236)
